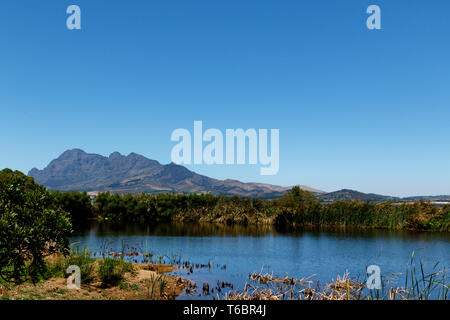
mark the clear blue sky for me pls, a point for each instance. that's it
(359, 109)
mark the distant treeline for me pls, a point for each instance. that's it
(295, 209)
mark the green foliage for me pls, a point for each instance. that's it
(111, 271)
(443, 220)
(77, 257)
(148, 208)
(78, 204)
(296, 208)
(155, 282)
(31, 227)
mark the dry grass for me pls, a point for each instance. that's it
(269, 287)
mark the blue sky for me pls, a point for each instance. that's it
(360, 109)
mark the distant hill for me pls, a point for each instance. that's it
(443, 198)
(347, 194)
(76, 170)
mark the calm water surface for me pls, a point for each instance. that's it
(234, 252)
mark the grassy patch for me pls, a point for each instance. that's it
(135, 287)
(112, 271)
(59, 291)
(155, 286)
(78, 257)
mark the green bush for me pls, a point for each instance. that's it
(81, 258)
(111, 271)
(31, 228)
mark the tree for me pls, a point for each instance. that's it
(31, 227)
(297, 206)
(78, 204)
(297, 199)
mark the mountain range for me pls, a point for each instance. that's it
(76, 170)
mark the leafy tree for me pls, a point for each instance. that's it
(31, 227)
(297, 207)
(78, 204)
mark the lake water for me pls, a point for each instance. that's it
(234, 252)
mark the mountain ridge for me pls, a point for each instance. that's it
(76, 170)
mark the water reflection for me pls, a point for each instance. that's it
(207, 229)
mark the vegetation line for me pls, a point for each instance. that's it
(296, 208)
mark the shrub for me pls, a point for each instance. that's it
(77, 257)
(111, 271)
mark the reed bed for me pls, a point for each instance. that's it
(419, 285)
(296, 208)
